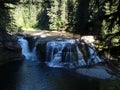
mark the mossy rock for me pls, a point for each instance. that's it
(109, 85)
(10, 50)
(41, 51)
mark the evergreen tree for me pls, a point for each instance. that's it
(104, 18)
(57, 14)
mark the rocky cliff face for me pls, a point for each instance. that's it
(10, 50)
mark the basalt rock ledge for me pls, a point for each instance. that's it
(10, 50)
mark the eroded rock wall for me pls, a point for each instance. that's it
(10, 50)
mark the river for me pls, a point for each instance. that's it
(32, 75)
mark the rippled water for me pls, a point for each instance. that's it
(31, 75)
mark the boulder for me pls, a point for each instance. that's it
(41, 50)
(84, 49)
(10, 50)
(41, 47)
(31, 41)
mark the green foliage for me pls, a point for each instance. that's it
(42, 17)
(7, 21)
(40, 14)
(99, 17)
(57, 14)
(25, 15)
(84, 17)
(71, 12)
(81, 16)
(104, 19)
(22, 14)
(110, 25)
(4, 17)
(109, 85)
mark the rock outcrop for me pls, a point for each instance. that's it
(31, 41)
(10, 50)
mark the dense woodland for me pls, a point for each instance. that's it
(84, 17)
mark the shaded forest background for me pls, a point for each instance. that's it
(85, 17)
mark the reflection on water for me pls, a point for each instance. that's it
(31, 75)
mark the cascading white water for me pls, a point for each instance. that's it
(93, 56)
(81, 60)
(66, 53)
(34, 54)
(62, 53)
(55, 52)
(25, 49)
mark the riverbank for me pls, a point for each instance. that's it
(10, 50)
(46, 33)
(99, 72)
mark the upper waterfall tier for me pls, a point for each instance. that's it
(29, 55)
(61, 53)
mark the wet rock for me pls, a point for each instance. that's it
(9, 49)
(99, 72)
(41, 51)
(31, 41)
(69, 48)
(41, 47)
(85, 51)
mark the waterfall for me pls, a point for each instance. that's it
(29, 55)
(34, 54)
(55, 53)
(81, 60)
(94, 59)
(63, 53)
(67, 53)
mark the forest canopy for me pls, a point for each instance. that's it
(90, 16)
(85, 17)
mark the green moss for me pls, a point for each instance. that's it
(110, 85)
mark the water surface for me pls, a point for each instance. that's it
(32, 75)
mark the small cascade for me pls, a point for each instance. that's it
(29, 55)
(81, 60)
(25, 47)
(67, 53)
(55, 53)
(94, 59)
(34, 54)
